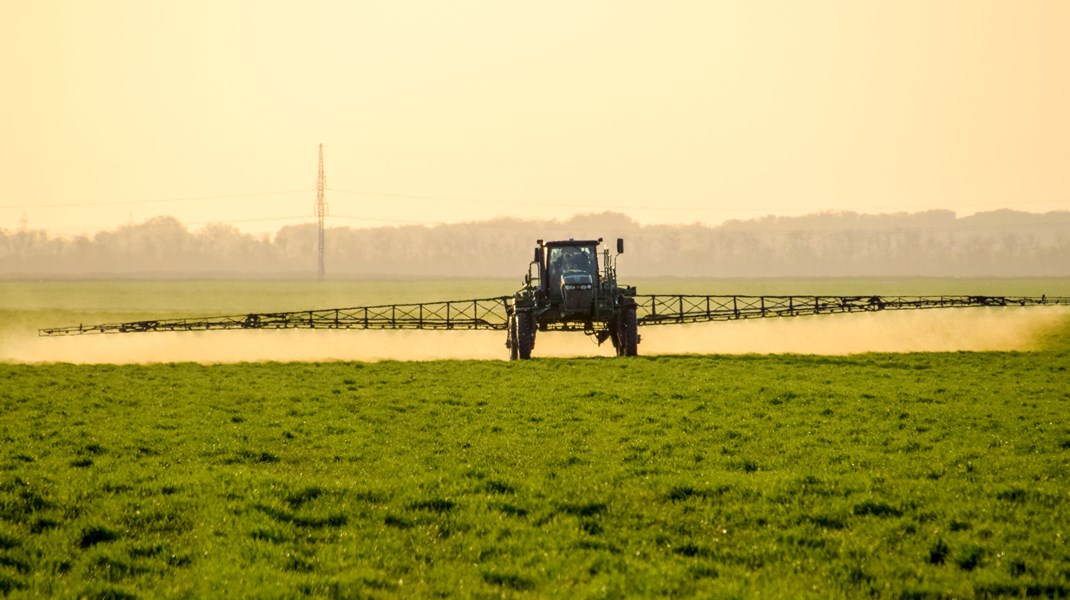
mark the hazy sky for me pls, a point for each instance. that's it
(671, 112)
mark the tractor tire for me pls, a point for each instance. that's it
(525, 334)
(628, 331)
(514, 350)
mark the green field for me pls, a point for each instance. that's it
(908, 475)
(918, 475)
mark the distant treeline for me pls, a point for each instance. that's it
(932, 243)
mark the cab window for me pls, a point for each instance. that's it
(572, 258)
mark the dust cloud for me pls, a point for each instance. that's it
(914, 331)
(997, 329)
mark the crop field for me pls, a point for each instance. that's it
(905, 475)
(902, 475)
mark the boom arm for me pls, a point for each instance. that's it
(492, 313)
(481, 313)
(661, 309)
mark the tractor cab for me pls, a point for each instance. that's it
(571, 281)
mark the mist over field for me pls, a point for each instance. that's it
(26, 306)
(992, 329)
(938, 243)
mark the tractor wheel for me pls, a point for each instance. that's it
(628, 331)
(525, 334)
(514, 352)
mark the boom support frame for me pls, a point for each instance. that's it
(493, 313)
(662, 309)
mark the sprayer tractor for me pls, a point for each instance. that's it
(565, 290)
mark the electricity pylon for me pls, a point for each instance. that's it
(321, 210)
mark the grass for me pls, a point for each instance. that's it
(913, 475)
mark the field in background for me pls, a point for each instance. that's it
(906, 475)
(27, 306)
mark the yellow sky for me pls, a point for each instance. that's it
(671, 112)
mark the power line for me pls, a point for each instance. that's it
(511, 203)
(150, 158)
(250, 220)
(385, 220)
(659, 208)
(713, 166)
(153, 200)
